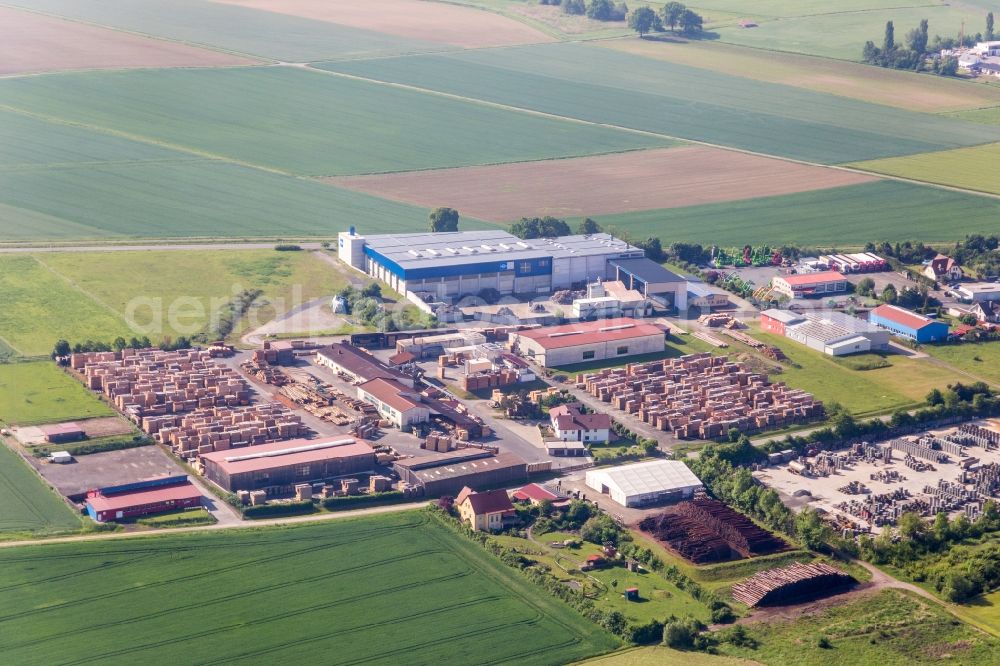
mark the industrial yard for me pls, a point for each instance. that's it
(867, 487)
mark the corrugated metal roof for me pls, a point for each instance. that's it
(583, 333)
(123, 501)
(292, 452)
(646, 478)
(811, 278)
(902, 316)
(394, 394)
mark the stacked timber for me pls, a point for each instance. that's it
(785, 584)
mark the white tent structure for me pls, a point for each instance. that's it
(645, 483)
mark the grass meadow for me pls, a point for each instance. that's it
(377, 589)
(101, 295)
(962, 167)
(890, 628)
(39, 392)
(839, 217)
(27, 506)
(981, 360)
(606, 86)
(307, 122)
(986, 116)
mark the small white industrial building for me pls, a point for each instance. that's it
(645, 483)
(834, 333)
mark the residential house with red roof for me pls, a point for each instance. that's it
(486, 511)
(570, 424)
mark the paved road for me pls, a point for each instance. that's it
(243, 524)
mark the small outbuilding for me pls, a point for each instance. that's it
(57, 433)
(61, 458)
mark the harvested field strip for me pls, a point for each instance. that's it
(26, 504)
(39, 392)
(605, 86)
(970, 168)
(637, 180)
(305, 122)
(903, 89)
(232, 28)
(839, 217)
(33, 43)
(413, 19)
(328, 597)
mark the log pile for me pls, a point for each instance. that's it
(706, 530)
(794, 582)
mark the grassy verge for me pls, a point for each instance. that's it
(178, 519)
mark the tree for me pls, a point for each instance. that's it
(690, 22)
(589, 226)
(671, 14)
(889, 294)
(865, 287)
(600, 529)
(600, 10)
(934, 397)
(642, 20)
(444, 219)
(949, 66)
(871, 53)
(889, 42)
(372, 290)
(119, 343)
(989, 26)
(540, 227)
(916, 39)
(61, 348)
(574, 7)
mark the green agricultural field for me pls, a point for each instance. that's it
(891, 628)
(39, 392)
(27, 506)
(606, 86)
(378, 589)
(836, 217)
(309, 122)
(64, 182)
(839, 31)
(986, 116)
(892, 87)
(961, 167)
(85, 295)
(981, 360)
(232, 28)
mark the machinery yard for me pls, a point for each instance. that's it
(869, 486)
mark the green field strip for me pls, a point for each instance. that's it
(426, 593)
(624, 90)
(27, 505)
(294, 120)
(40, 392)
(974, 168)
(232, 28)
(76, 286)
(839, 217)
(987, 115)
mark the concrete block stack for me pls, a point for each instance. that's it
(701, 396)
(221, 428)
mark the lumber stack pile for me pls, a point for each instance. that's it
(796, 581)
(701, 396)
(222, 428)
(151, 382)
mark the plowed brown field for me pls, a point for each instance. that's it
(415, 19)
(34, 43)
(602, 184)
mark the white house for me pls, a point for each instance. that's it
(572, 425)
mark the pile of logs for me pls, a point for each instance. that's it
(791, 583)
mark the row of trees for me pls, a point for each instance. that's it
(64, 348)
(599, 10)
(912, 54)
(674, 15)
(550, 227)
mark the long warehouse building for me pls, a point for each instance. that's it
(277, 467)
(452, 264)
(553, 346)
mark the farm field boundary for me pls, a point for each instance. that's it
(33, 43)
(637, 180)
(969, 168)
(281, 118)
(232, 28)
(904, 211)
(902, 89)
(603, 86)
(331, 596)
(436, 22)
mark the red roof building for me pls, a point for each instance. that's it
(484, 511)
(63, 432)
(142, 502)
(824, 283)
(588, 341)
(395, 402)
(534, 493)
(572, 425)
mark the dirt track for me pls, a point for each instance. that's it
(33, 43)
(603, 184)
(466, 27)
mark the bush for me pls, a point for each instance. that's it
(287, 248)
(371, 499)
(279, 509)
(721, 612)
(823, 643)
